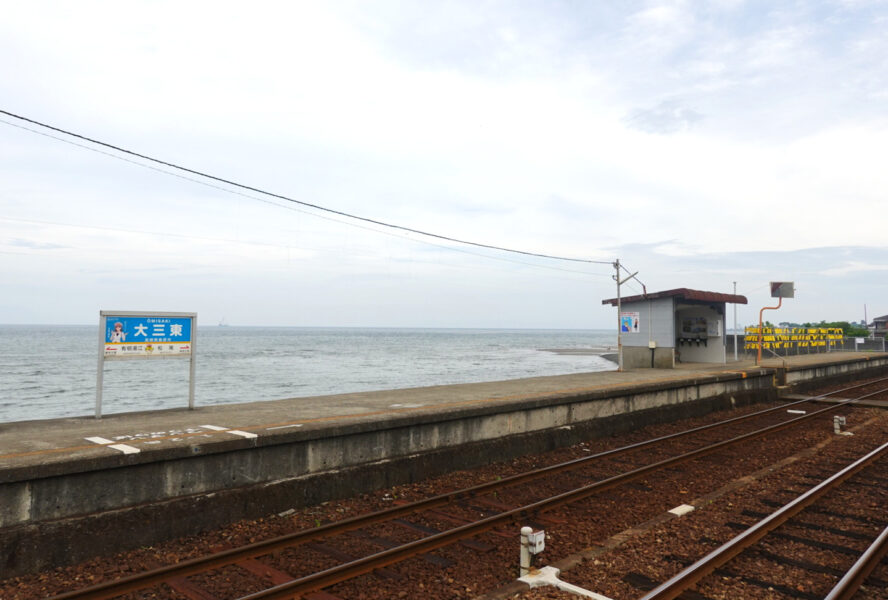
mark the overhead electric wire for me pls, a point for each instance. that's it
(271, 245)
(293, 200)
(258, 199)
(266, 201)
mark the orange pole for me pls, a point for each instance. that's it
(761, 333)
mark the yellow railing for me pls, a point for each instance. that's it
(775, 338)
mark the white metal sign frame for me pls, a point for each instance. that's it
(134, 335)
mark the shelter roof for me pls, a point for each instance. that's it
(682, 293)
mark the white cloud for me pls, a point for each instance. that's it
(579, 130)
(853, 267)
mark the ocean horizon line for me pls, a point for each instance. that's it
(213, 325)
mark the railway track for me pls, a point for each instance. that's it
(481, 519)
(806, 522)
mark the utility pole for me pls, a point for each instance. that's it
(866, 323)
(735, 322)
(619, 311)
(619, 320)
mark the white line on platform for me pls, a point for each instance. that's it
(98, 440)
(119, 447)
(245, 434)
(284, 426)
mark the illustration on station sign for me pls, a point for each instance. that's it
(147, 336)
(629, 322)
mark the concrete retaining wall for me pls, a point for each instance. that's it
(802, 377)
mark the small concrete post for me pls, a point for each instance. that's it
(837, 424)
(524, 562)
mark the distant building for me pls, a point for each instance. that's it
(879, 326)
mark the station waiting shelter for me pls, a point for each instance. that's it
(660, 329)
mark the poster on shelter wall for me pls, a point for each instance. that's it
(693, 327)
(629, 322)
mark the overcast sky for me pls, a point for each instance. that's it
(701, 143)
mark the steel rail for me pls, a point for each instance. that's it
(861, 569)
(718, 557)
(111, 589)
(367, 564)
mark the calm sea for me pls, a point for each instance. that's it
(50, 371)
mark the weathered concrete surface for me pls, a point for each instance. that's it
(808, 374)
(640, 358)
(64, 498)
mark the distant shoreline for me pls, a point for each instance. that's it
(214, 326)
(606, 352)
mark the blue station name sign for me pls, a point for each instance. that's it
(128, 336)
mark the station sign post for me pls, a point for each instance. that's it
(781, 290)
(127, 335)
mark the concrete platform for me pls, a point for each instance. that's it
(48, 447)
(70, 488)
(44, 447)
